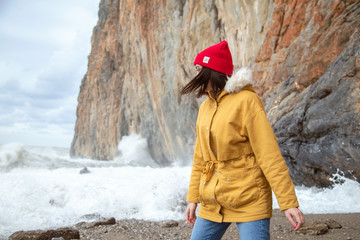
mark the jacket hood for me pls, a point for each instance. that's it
(239, 80)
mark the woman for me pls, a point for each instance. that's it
(237, 161)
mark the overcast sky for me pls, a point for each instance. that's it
(44, 45)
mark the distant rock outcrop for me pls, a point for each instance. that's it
(305, 58)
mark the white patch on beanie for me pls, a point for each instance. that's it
(206, 59)
(239, 80)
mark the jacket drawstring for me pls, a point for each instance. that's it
(209, 169)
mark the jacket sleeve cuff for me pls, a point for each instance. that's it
(287, 206)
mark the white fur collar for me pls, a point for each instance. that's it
(242, 78)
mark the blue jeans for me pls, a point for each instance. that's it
(208, 230)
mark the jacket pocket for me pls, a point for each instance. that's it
(206, 190)
(239, 188)
(262, 183)
(201, 189)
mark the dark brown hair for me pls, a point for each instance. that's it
(199, 83)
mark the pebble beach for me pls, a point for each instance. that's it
(179, 230)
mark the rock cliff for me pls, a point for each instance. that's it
(308, 72)
(305, 57)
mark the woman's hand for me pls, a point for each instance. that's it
(295, 213)
(190, 213)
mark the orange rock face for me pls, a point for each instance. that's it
(304, 55)
(142, 55)
(303, 39)
(306, 71)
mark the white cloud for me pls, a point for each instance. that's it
(44, 48)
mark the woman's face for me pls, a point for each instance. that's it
(198, 68)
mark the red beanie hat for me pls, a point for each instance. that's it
(217, 57)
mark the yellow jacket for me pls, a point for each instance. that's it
(237, 160)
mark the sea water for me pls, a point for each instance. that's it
(41, 187)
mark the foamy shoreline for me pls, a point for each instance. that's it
(42, 188)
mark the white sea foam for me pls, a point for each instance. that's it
(134, 152)
(42, 188)
(47, 198)
(342, 197)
